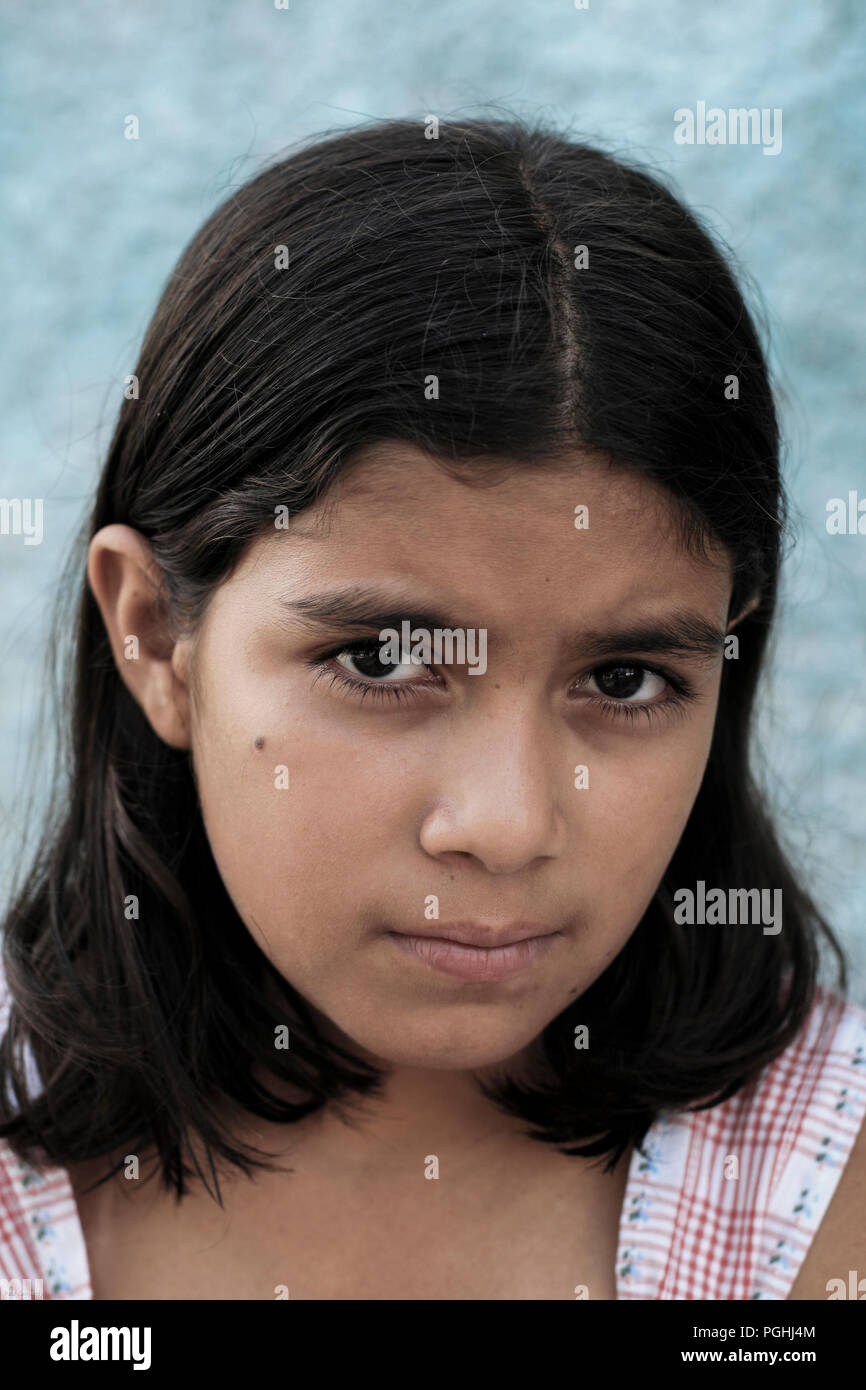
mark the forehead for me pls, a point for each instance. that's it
(507, 538)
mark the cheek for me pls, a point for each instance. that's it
(641, 807)
(299, 827)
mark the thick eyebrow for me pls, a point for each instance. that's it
(364, 609)
(369, 610)
(684, 633)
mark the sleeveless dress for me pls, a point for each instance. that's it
(722, 1204)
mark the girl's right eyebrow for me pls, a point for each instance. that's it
(370, 609)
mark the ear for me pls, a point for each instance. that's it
(744, 612)
(124, 579)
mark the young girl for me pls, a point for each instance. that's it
(411, 925)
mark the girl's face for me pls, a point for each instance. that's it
(345, 799)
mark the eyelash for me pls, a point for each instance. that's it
(673, 705)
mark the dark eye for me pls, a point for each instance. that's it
(366, 662)
(628, 681)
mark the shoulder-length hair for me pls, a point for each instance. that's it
(561, 298)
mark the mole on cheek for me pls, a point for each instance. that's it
(260, 742)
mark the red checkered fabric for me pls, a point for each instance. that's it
(697, 1224)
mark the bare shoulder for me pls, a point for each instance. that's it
(839, 1244)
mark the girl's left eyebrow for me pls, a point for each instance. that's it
(370, 609)
(684, 633)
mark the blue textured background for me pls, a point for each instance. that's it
(93, 224)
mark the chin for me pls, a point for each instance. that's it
(442, 1048)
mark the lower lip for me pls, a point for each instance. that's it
(475, 962)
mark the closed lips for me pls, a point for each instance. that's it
(484, 938)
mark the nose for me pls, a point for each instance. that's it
(500, 793)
